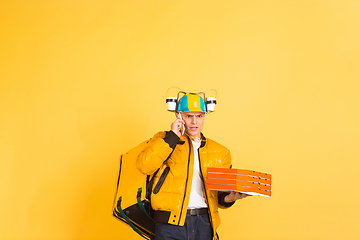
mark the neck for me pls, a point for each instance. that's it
(195, 138)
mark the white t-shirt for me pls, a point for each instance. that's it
(197, 199)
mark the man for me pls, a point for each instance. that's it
(183, 208)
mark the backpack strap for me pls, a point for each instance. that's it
(149, 185)
(138, 198)
(128, 220)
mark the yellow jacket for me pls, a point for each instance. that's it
(172, 183)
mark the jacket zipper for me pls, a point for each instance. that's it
(187, 178)
(206, 197)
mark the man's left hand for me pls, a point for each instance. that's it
(233, 196)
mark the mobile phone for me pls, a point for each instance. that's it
(182, 125)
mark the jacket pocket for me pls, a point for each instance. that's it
(161, 180)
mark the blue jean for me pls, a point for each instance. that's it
(195, 228)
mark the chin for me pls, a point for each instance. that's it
(194, 134)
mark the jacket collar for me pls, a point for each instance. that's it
(203, 139)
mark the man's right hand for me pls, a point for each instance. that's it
(176, 126)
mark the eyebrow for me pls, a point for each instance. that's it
(193, 114)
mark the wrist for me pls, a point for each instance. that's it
(171, 138)
(176, 132)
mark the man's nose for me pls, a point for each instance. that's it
(193, 120)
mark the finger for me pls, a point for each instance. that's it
(179, 121)
(244, 195)
(241, 195)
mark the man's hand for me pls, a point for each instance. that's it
(176, 126)
(233, 196)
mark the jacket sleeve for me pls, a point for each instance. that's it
(157, 152)
(226, 163)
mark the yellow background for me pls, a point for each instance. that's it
(84, 81)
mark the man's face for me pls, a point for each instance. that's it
(194, 122)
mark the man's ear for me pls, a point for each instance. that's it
(177, 115)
